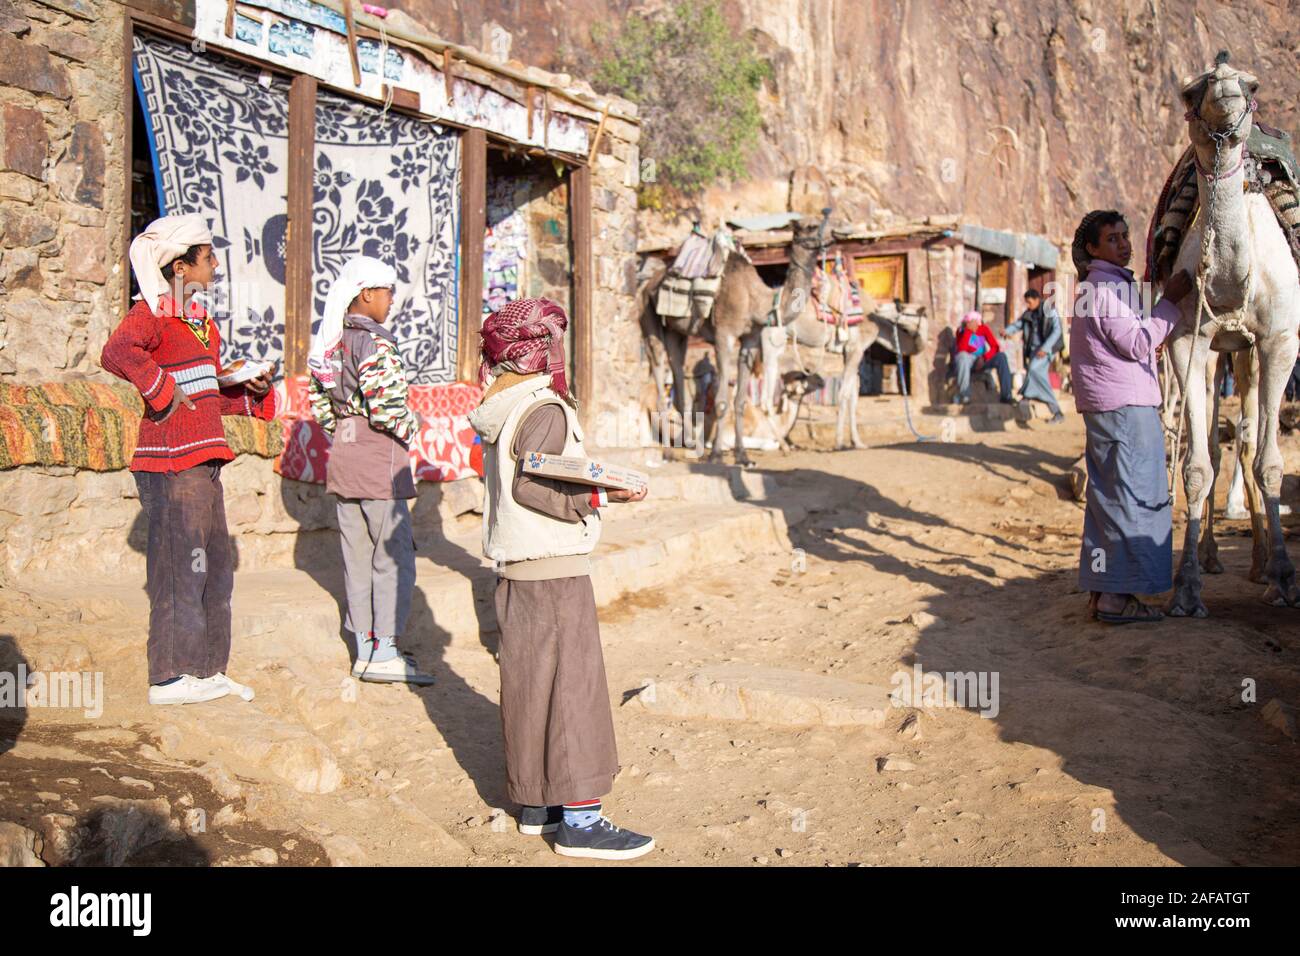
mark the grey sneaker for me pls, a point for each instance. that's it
(534, 821)
(602, 841)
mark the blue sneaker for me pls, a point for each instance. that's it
(534, 821)
(602, 841)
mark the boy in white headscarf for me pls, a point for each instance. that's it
(169, 348)
(358, 395)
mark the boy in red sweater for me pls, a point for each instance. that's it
(169, 348)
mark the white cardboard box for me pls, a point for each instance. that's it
(585, 471)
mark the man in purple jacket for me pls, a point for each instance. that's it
(1127, 545)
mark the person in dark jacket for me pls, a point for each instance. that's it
(1040, 329)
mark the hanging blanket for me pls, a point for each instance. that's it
(95, 425)
(444, 449)
(384, 185)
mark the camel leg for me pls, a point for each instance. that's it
(1208, 552)
(675, 346)
(1197, 478)
(742, 399)
(726, 353)
(1276, 359)
(848, 404)
(1246, 368)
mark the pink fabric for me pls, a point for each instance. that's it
(528, 335)
(444, 449)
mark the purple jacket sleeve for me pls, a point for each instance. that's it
(1124, 329)
(544, 430)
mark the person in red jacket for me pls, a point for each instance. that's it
(169, 348)
(977, 350)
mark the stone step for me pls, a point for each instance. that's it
(299, 610)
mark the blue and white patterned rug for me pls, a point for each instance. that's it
(386, 185)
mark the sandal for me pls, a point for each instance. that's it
(1135, 612)
(1092, 604)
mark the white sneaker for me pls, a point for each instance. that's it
(400, 670)
(243, 691)
(188, 690)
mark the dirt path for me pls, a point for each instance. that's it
(1108, 746)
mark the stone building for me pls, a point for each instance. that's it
(305, 132)
(947, 265)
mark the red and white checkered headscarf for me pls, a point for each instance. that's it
(525, 336)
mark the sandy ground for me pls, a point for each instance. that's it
(1110, 746)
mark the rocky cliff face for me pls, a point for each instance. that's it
(1015, 114)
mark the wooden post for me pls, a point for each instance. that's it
(298, 265)
(473, 225)
(580, 226)
(448, 78)
(352, 45)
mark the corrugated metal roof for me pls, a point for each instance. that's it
(1014, 245)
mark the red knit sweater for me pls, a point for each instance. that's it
(160, 353)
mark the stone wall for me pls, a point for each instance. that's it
(620, 368)
(61, 204)
(60, 523)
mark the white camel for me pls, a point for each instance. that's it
(1248, 293)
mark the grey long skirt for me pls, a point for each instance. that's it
(1127, 525)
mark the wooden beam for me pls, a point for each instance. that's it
(298, 265)
(595, 140)
(352, 43)
(473, 226)
(580, 226)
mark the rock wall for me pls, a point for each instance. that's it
(61, 123)
(1018, 115)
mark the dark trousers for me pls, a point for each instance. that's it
(190, 572)
(555, 715)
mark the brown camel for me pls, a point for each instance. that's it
(742, 308)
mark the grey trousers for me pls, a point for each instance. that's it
(1038, 386)
(964, 363)
(555, 715)
(189, 572)
(378, 564)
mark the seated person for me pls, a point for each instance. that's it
(977, 350)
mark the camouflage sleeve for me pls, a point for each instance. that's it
(382, 381)
(321, 408)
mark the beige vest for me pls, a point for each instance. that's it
(512, 532)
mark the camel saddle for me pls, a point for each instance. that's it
(692, 282)
(1271, 169)
(835, 295)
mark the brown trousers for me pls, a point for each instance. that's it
(555, 714)
(190, 572)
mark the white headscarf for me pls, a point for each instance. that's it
(360, 272)
(164, 240)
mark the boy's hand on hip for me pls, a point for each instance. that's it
(626, 494)
(179, 398)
